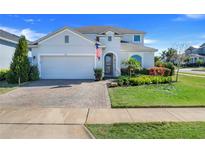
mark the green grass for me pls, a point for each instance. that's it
(5, 87)
(189, 91)
(171, 130)
(199, 69)
(191, 73)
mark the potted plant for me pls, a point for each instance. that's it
(98, 74)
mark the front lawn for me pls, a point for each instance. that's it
(157, 130)
(189, 91)
(5, 87)
(191, 73)
(199, 69)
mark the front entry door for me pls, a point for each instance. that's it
(109, 65)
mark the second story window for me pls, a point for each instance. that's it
(137, 38)
(109, 38)
(66, 39)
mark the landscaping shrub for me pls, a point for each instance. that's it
(144, 79)
(125, 71)
(123, 81)
(3, 74)
(143, 71)
(161, 71)
(98, 74)
(149, 80)
(168, 65)
(11, 77)
(34, 73)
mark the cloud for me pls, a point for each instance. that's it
(32, 21)
(30, 34)
(186, 17)
(179, 19)
(150, 41)
(195, 16)
(13, 15)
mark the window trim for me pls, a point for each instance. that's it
(139, 37)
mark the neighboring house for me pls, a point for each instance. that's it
(8, 44)
(71, 53)
(196, 54)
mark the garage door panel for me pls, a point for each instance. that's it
(67, 67)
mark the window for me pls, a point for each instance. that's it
(136, 38)
(66, 39)
(137, 58)
(109, 38)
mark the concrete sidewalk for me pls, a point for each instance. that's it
(69, 123)
(68, 116)
(109, 116)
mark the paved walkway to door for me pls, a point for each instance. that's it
(69, 123)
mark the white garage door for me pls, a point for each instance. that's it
(67, 67)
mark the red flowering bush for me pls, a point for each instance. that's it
(160, 71)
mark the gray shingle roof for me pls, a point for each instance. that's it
(9, 36)
(136, 47)
(102, 29)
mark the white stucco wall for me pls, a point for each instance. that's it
(6, 54)
(57, 45)
(112, 47)
(147, 58)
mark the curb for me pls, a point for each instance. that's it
(88, 132)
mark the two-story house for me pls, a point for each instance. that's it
(195, 54)
(71, 53)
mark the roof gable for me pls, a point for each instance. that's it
(60, 31)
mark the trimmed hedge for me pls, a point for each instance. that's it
(3, 74)
(142, 80)
(162, 71)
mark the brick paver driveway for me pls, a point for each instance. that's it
(59, 93)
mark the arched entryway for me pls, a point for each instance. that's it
(109, 65)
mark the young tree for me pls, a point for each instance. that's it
(156, 58)
(180, 48)
(132, 65)
(199, 62)
(20, 66)
(169, 55)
